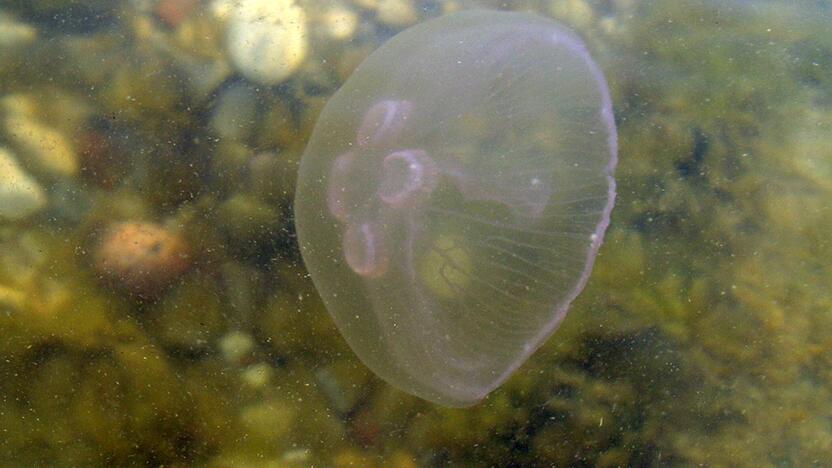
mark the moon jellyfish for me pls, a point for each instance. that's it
(453, 196)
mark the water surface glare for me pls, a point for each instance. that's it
(453, 196)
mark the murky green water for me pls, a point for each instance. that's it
(154, 309)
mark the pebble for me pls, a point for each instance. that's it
(235, 112)
(20, 195)
(266, 39)
(257, 376)
(236, 346)
(298, 455)
(268, 421)
(141, 258)
(248, 221)
(174, 12)
(396, 13)
(221, 9)
(43, 149)
(577, 13)
(14, 33)
(366, 4)
(12, 299)
(339, 22)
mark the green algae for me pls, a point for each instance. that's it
(702, 338)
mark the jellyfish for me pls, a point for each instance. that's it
(453, 196)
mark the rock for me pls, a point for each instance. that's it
(236, 347)
(141, 258)
(44, 149)
(272, 176)
(221, 9)
(257, 376)
(173, 12)
(339, 22)
(366, 4)
(11, 299)
(69, 16)
(235, 112)
(575, 12)
(248, 221)
(344, 384)
(189, 318)
(203, 77)
(811, 156)
(266, 39)
(20, 195)
(14, 33)
(269, 421)
(396, 13)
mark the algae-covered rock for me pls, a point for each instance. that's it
(268, 422)
(345, 384)
(236, 347)
(189, 318)
(235, 112)
(257, 376)
(294, 323)
(248, 222)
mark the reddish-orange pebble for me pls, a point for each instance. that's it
(141, 258)
(173, 12)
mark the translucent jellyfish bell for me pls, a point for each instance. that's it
(453, 197)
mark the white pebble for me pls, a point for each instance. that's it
(20, 195)
(267, 39)
(340, 22)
